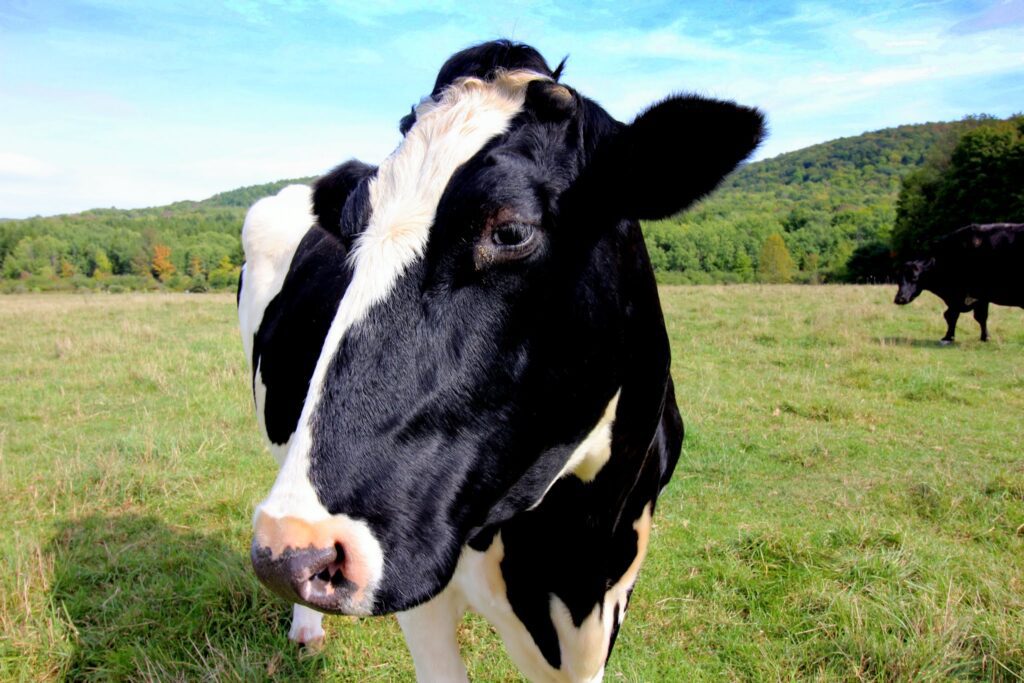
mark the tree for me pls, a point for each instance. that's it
(775, 264)
(870, 263)
(101, 267)
(744, 266)
(980, 180)
(195, 266)
(162, 267)
(811, 267)
(225, 274)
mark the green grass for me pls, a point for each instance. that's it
(848, 506)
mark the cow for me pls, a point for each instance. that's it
(969, 269)
(460, 362)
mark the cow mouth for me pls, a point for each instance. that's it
(315, 578)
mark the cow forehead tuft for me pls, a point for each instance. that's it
(507, 84)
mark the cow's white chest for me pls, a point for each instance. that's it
(478, 585)
(479, 579)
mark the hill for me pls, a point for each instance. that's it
(831, 203)
(826, 201)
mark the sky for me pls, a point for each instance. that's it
(130, 104)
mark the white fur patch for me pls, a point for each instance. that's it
(273, 228)
(584, 649)
(430, 632)
(478, 577)
(592, 453)
(307, 626)
(404, 196)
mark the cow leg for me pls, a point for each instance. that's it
(951, 315)
(430, 633)
(981, 315)
(307, 627)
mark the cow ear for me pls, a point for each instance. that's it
(673, 154)
(332, 190)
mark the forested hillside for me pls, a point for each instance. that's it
(830, 203)
(821, 213)
(184, 246)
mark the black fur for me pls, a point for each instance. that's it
(969, 269)
(294, 326)
(331, 192)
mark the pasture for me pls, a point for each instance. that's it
(849, 504)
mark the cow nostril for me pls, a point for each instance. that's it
(332, 572)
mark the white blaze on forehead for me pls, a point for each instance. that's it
(403, 196)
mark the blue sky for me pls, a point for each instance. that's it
(122, 104)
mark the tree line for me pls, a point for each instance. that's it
(842, 211)
(186, 246)
(845, 210)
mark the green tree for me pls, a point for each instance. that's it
(38, 255)
(811, 266)
(101, 266)
(744, 266)
(775, 264)
(980, 180)
(225, 274)
(195, 266)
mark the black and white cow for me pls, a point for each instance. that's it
(460, 361)
(969, 269)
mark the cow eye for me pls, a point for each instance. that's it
(506, 242)
(513, 235)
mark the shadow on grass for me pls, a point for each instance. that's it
(917, 343)
(147, 601)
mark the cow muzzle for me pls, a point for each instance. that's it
(331, 565)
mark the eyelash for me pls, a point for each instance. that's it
(513, 236)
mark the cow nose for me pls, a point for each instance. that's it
(320, 564)
(315, 576)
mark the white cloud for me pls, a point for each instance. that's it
(298, 108)
(21, 166)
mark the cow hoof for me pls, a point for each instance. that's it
(308, 638)
(945, 342)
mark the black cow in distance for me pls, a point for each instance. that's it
(969, 269)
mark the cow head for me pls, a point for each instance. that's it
(501, 311)
(912, 276)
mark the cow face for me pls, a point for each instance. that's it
(500, 312)
(911, 278)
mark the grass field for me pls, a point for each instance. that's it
(849, 504)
